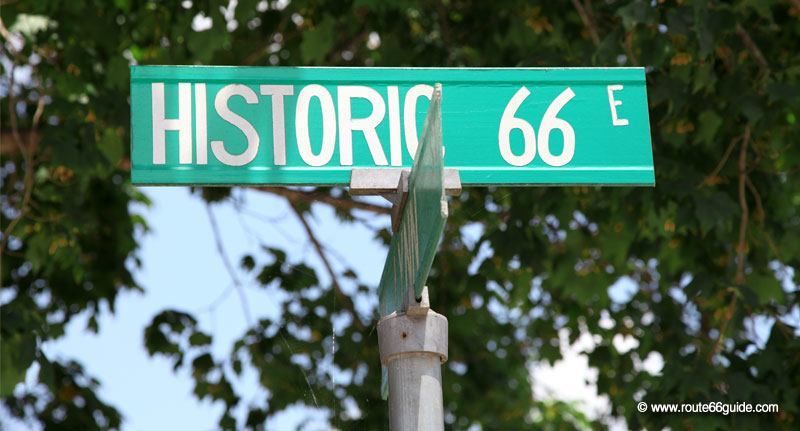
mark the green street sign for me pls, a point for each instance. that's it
(422, 219)
(284, 126)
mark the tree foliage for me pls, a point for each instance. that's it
(711, 249)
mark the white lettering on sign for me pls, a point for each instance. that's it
(332, 122)
(395, 148)
(410, 115)
(183, 124)
(221, 105)
(201, 127)
(278, 119)
(328, 125)
(613, 105)
(338, 124)
(509, 122)
(550, 122)
(347, 124)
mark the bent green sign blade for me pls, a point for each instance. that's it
(221, 125)
(422, 219)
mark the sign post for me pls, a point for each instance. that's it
(358, 127)
(413, 338)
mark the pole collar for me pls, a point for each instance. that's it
(402, 334)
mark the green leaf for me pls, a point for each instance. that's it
(16, 353)
(317, 41)
(704, 36)
(47, 373)
(766, 287)
(199, 339)
(637, 12)
(204, 44)
(125, 5)
(111, 146)
(203, 364)
(248, 262)
(707, 128)
(713, 210)
(117, 73)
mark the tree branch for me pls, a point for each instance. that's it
(441, 13)
(317, 245)
(9, 142)
(347, 44)
(628, 44)
(760, 214)
(26, 151)
(741, 248)
(261, 51)
(229, 266)
(312, 197)
(587, 21)
(758, 56)
(711, 178)
(728, 316)
(343, 298)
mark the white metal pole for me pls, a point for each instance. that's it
(413, 346)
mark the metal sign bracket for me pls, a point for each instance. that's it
(392, 185)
